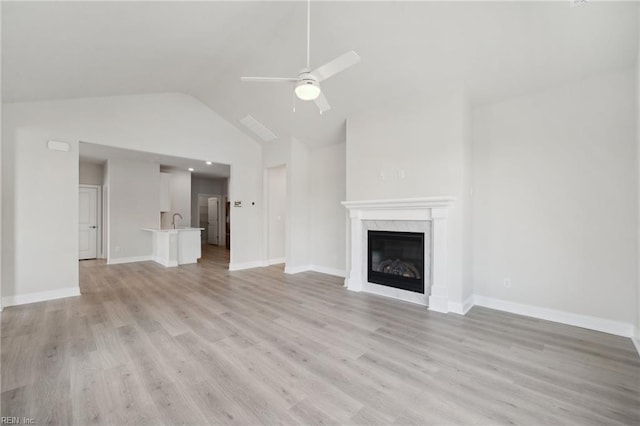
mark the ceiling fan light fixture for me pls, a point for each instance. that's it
(307, 90)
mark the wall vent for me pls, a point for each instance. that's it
(258, 128)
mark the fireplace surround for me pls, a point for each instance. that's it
(420, 215)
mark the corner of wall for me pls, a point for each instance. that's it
(636, 339)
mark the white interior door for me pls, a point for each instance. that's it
(88, 201)
(212, 235)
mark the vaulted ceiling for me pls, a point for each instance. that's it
(57, 50)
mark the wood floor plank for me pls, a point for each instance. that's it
(198, 344)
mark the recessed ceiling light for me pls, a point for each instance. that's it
(208, 163)
(190, 169)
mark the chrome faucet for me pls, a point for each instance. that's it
(173, 221)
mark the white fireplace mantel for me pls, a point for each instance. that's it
(434, 209)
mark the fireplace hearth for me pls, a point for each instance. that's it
(396, 259)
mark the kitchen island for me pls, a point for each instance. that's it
(173, 247)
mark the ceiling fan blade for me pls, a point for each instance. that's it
(340, 63)
(269, 79)
(322, 103)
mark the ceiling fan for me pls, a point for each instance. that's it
(308, 82)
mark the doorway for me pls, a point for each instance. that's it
(89, 220)
(210, 210)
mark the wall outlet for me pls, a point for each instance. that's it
(507, 282)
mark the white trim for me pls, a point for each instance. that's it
(41, 296)
(401, 212)
(461, 308)
(164, 262)
(329, 271)
(245, 265)
(396, 293)
(401, 203)
(569, 318)
(296, 269)
(277, 261)
(636, 343)
(120, 260)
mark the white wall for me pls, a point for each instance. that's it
(637, 336)
(277, 213)
(555, 198)
(276, 153)
(466, 201)
(106, 217)
(297, 233)
(416, 147)
(422, 136)
(151, 123)
(91, 173)
(8, 169)
(134, 203)
(316, 221)
(180, 196)
(328, 216)
(40, 214)
(1, 304)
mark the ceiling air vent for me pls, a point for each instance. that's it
(258, 128)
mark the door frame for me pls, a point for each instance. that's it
(99, 253)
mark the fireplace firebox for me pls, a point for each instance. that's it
(396, 259)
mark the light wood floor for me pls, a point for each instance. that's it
(200, 345)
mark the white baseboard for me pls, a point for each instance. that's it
(245, 265)
(120, 260)
(329, 271)
(164, 263)
(584, 321)
(461, 308)
(275, 261)
(41, 296)
(296, 269)
(315, 268)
